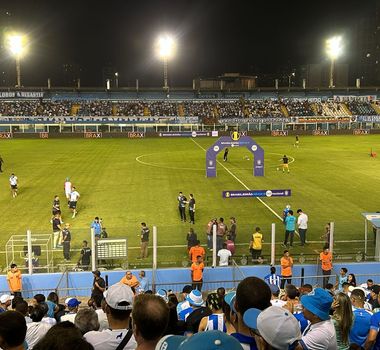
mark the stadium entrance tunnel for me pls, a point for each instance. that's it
(244, 141)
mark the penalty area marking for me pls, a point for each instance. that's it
(242, 183)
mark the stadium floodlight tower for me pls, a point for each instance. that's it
(16, 44)
(334, 49)
(165, 50)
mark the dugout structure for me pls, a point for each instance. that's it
(16, 251)
(372, 224)
(235, 140)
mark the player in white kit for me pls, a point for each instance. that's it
(13, 180)
(74, 196)
(67, 188)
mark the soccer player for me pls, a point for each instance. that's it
(1, 164)
(297, 143)
(57, 228)
(285, 163)
(74, 196)
(225, 156)
(68, 189)
(56, 209)
(182, 206)
(13, 180)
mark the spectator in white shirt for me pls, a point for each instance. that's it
(224, 255)
(73, 305)
(37, 329)
(119, 300)
(302, 225)
(320, 333)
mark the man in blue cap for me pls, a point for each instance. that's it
(320, 334)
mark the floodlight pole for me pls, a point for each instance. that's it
(18, 70)
(154, 265)
(331, 82)
(30, 250)
(166, 73)
(93, 250)
(214, 246)
(273, 246)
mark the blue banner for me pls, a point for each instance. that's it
(257, 193)
(185, 133)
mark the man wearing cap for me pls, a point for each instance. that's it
(14, 280)
(130, 280)
(150, 319)
(373, 296)
(275, 300)
(98, 287)
(73, 305)
(210, 340)
(119, 300)
(194, 300)
(5, 302)
(320, 334)
(254, 294)
(278, 328)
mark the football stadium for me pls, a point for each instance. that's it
(226, 211)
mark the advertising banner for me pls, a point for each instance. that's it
(257, 193)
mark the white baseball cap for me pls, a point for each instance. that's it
(6, 297)
(119, 297)
(278, 327)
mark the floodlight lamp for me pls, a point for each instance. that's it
(16, 44)
(165, 46)
(334, 47)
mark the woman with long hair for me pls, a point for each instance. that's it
(351, 279)
(343, 319)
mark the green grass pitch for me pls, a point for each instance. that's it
(129, 181)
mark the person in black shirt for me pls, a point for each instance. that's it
(56, 206)
(144, 235)
(66, 239)
(57, 228)
(98, 287)
(85, 255)
(191, 239)
(285, 163)
(232, 231)
(1, 164)
(225, 154)
(191, 208)
(182, 206)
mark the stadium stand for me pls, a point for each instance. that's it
(170, 321)
(208, 111)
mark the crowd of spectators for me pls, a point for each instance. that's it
(298, 108)
(360, 108)
(263, 108)
(212, 109)
(331, 109)
(257, 315)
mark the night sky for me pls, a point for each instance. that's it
(214, 36)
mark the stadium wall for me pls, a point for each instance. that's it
(80, 283)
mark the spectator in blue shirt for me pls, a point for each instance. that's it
(362, 318)
(341, 279)
(273, 278)
(97, 226)
(144, 282)
(373, 339)
(290, 227)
